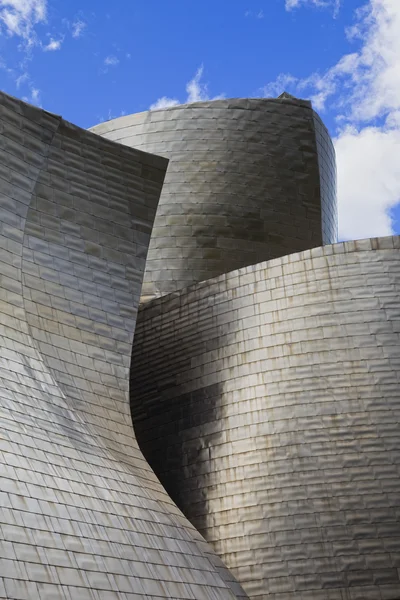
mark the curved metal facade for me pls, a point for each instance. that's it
(268, 402)
(247, 181)
(327, 171)
(82, 515)
(267, 399)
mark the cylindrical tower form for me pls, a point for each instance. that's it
(248, 180)
(267, 401)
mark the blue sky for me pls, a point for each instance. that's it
(95, 60)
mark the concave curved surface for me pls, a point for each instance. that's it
(82, 515)
(267, 401)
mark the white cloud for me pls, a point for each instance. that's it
(164, 102)
(19, 17)
(34, 97)
(21, 79)
(111, 61)
(78, 27)
(318, 87)
(368, 154)
(335, 4)
(53, 45)
(281, 83)
(363, 91)
(258, 14)
(197, 91)
(369, 181)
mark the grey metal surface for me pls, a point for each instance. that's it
(243, 185)
(327, 170)
(268, 402)
(82, 515)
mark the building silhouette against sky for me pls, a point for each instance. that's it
(260, 371)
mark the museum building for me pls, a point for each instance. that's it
(199, 387)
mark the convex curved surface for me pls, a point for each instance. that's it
(248, 180)
(267, 401)
(82, 515)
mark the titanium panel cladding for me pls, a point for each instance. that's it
(327, 171)
(268, 402)
(82, 515)
(243, 185)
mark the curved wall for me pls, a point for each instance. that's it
(327, 170)
(268, 402)
(82, 515)
(243, 185)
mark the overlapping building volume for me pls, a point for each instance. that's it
(230, 428)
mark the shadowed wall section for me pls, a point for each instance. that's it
(276, 391)
(327, 172)
(82, 515)
(245, 183)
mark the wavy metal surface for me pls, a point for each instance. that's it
(247, 181)
(268, 402)
(82, 515)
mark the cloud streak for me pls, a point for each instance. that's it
(334, 4)
(258, 14)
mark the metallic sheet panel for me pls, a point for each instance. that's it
(267, 401)
(82, 515)
(248, 180)
(327, 172)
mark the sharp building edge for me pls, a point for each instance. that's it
(82, 515)
(248, 180)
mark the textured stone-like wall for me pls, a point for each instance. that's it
(243, 185)
(82, 515)
(268, 402)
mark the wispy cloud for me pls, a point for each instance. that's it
(334, 4)
(197, 91)
(111, 61)
(21, 79)
(363, 90)
(283, 82)
(255, 14)
(110, 115)
(34, 97)
(25, 22)
(78, 27)
(19, 17)
(53, 45)
(164, 102)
